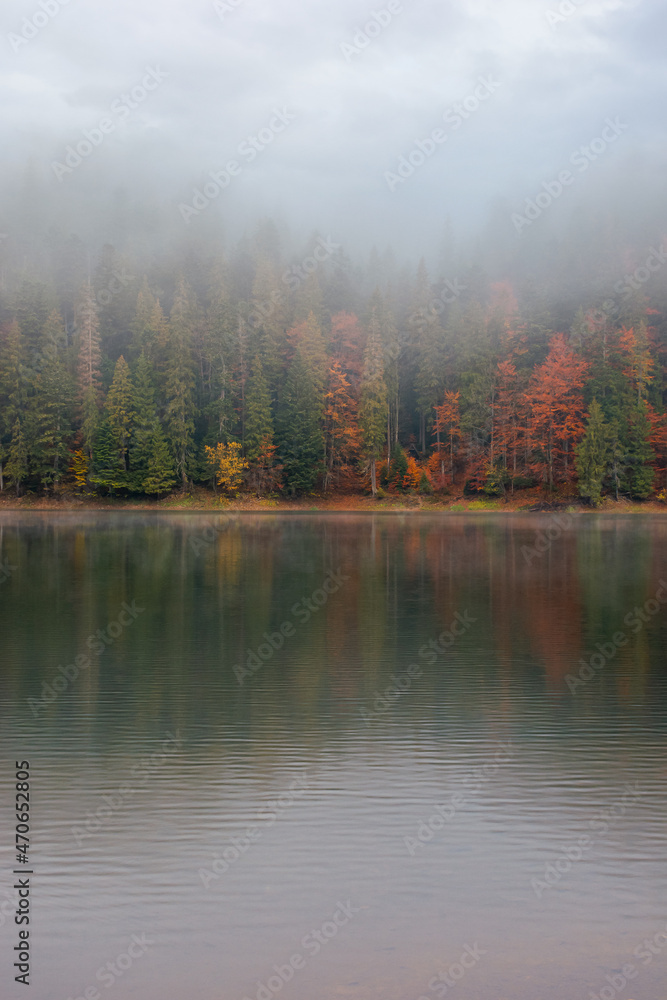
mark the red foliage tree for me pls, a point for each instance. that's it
(447, 424)
(556, 405)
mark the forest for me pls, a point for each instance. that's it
(250, 371)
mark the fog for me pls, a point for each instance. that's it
(426, 127)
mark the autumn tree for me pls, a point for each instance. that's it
(227, 464)
(448, 426)
(556, 403)
(341, 430)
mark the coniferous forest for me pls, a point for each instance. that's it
(262, 372)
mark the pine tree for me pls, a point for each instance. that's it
(89, 378)
(145, 420)
(107, 467)
(258, 417)
(638, 474)
(373, 411)
(160, 477)
(17, 465)
(180, 385)
(593, 455)
(119, 409)
(299, 431)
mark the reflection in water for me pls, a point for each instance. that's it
(333, 755)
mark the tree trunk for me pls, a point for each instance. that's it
(373, 477)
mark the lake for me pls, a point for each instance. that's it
(376, 757)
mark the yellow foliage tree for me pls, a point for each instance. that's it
(412, 477)
(227, 464)
(79, 467)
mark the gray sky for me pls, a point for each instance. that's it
(355, 111)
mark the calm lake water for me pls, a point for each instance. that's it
(337, 756)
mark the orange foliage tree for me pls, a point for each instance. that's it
(556, 404)
(341, 427)
(448, 423)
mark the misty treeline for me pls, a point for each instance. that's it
(252, 371)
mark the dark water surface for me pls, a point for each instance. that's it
(251, 826)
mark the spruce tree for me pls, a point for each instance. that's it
(299, 427)
(593, 454)
(17, 465)
(145, 416)
(160, 477)
(373, 410)
(179, 384)
(258, 420)
(119, 409)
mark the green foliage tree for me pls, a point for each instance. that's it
(300, 437)
(119, 409)
(17, 466)
(593, 454)
(258, 419)
(160, 476)
(373, 409)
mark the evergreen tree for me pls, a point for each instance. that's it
(160, 477)
(593, 454)
(373, 411)
(17, 464)
(638, 475)
(145, 418)
(258, 419)
(107, 467)
(300, 433)
(89, 379)
(180, 385)
(119, 409)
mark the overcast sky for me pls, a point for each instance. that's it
(351, 105)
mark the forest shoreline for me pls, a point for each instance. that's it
(529, 502)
